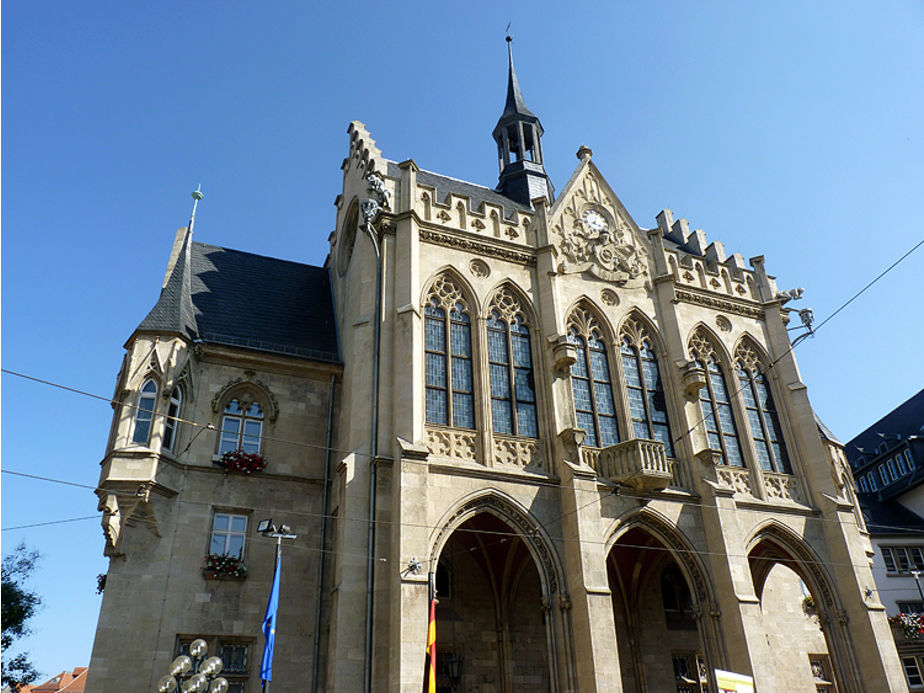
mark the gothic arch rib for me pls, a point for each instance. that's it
(520, 519)
(451, 274)
(243, 388)
(722, 355)
(787, 547)
(586, 304)
(509, 289)
(681, 549)
(758, 356)
(626, 328)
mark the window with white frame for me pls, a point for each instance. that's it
(910, 607)
(144, 414)
(883, 474)
(228, 534)
(913, 667)
(901, 560)
(909, 459)
(241, 427)
(171, 423)
(864, 484)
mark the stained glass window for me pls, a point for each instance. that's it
(592, 389)
(717, 414)
(647, 405)
(513, 389)
(763, 421)
(450, 388)
(144, 414)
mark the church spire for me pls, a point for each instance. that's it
(518, 135)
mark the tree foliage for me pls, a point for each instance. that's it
(19, 604)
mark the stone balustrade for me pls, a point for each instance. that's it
(638, 463)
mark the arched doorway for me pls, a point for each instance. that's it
(657, 617)
(795, 617)
(491, 626)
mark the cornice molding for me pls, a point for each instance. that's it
(481, 248)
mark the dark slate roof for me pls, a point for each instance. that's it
(905, 421)
(444, 185)
(826, 433)
(888, 517)
(223, 296)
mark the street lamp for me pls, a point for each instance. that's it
(916, 574)
(193, 673)
(454, 670)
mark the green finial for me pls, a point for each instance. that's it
(197, 193)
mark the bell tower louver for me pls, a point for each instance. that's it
(518, 134)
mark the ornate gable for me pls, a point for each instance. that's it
(593, 232)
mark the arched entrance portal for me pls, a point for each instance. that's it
(656, 616)
(794, 620)
(490, 623)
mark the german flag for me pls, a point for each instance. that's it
(430, 671)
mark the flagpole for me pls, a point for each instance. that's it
(268, 529)
(266, 684)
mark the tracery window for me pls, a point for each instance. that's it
(173, 413)
(763, 420)
(647, 404)
(716, 404)
(513, 389)
(144, 414)
(241, 427)
(591, 385)
(448, 347)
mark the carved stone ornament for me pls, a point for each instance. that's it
(479, 268)
(594, 237)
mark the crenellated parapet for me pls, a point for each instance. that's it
(705, 266)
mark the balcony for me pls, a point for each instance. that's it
(638, 463)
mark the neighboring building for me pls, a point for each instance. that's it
(887, 460)
(592, 437)
(66, 682)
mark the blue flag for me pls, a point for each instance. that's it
(269, 624)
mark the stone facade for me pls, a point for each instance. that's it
(641, 562)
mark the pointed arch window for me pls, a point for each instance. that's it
(513, 388)
(716, 404)
(763, 421)
(448, 355)
(591, 384)
(241, 427)
(173, 413)
(144, 414)
(647, 404)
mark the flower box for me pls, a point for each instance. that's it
(221, 566)
(240, 461)
(911, 625)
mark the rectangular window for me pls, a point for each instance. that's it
(911, 607)
(883, 474)
(893, 472)
(903, 559)
(912, 671)
(234, 653)
(909, 459)
(888, 560)
(917, 557)
(228, 534)
(864, 485)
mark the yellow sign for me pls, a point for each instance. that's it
(730, 682)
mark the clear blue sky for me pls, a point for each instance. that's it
(794, 133)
